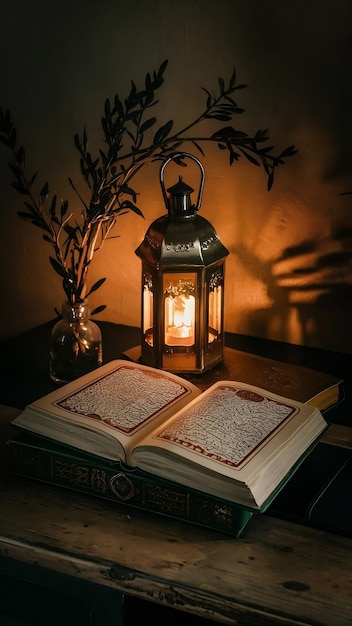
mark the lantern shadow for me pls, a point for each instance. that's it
(313, 280)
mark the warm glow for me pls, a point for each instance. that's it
(147, 309)
(215, 301)
(179, 316)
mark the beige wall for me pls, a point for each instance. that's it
(289, 273)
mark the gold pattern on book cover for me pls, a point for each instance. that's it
(139, 492)
(71, 473)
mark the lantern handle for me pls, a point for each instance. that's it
(175, 156)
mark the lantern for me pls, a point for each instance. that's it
(183, 263)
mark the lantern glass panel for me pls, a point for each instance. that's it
(215, 305)
(148, 321)
(179, 291)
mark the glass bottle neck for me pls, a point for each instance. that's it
(77, 312)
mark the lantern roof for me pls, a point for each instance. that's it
(186, 243)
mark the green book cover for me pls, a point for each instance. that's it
(43, 460)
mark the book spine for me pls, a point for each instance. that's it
(127, 487)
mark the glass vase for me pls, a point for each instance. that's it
(75, 343)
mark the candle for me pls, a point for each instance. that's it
(180, 311)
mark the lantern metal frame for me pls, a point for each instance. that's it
(183, 272)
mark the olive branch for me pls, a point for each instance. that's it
(127, 125)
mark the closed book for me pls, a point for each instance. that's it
(40, 459)
(290, 380)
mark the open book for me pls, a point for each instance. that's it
(233, 440)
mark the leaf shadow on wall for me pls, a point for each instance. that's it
(313, 280)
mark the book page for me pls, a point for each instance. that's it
(227, 425)
(234, 441)
(120, 401)
(126, 398)
(232, 430)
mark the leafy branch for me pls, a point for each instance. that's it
(132, 139)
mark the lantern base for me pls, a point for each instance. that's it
(135, 355)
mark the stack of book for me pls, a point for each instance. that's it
(157, 441)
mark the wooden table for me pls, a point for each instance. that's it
(67, 558)
(102, 562)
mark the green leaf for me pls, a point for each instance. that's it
(223, 133)
(198, 147)
(250, 158)
(104, 158)
(158, 78)
(77, 143)
(234, 156)
(221, 84)
(219, 116)
(27, 216)
(64, 207)
(126, 204)
(57, 267)
(147, 124)
(106, 129)
(98, 309)
(262, 151)
(162, 132)
(31, 208)
(53, 207)
(162, 68)
(119, 106)
(132, 115)
(288, 152)
(261, 135)
(232, 79)
(44, 192)
(270, 180)
(209, 98)
(129, 191)
(133, 91)
(96, 286)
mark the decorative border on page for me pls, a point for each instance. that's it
(229, 420)
(125, 398)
